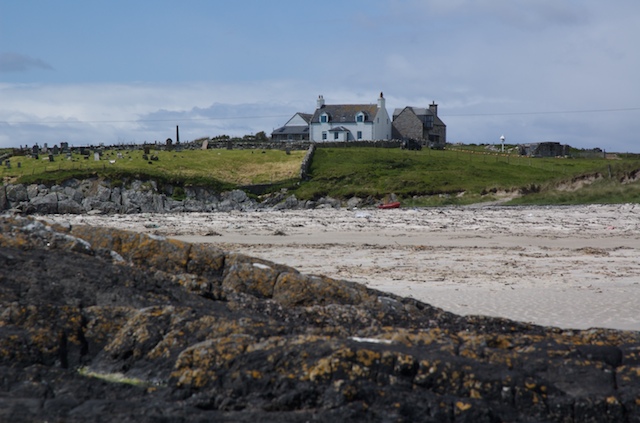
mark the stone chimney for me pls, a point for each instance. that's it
(433, 108)
(320, 102)
(381, 101)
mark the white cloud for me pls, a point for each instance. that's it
(116, 113)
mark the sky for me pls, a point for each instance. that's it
(130, 71)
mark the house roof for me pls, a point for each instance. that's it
(421, 113)
(339, 129)
(345, 112)
(306, 116)
(291, 130)
(418, 111)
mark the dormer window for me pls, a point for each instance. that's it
(361, 117)
(324, 118)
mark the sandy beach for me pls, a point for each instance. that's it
(572, 267)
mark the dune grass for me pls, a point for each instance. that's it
(603, 190)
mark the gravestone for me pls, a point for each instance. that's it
(50, 157)
(147, 150)
(205, 144)
(19, 165)
(56, 150)
(7, 163)
(96, 156)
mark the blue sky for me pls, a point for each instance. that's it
(90, 72)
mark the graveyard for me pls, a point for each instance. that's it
(188, 165)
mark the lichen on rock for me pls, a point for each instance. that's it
(212, 335)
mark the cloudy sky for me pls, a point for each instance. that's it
(123, 71)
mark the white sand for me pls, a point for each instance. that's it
(572, 267)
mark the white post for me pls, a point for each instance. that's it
(502, 141)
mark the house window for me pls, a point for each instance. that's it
(359, 135)
(360, 117)
(428, 121)
(324, 136)
(324, 118)
(336, 135)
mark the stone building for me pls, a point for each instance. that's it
(420, 124)
(544, 149)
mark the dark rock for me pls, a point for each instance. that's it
(47, 204)
(107, 325)
(16, 193)
(291, 202)
(69, 206)
(4, 203)
(33, 191)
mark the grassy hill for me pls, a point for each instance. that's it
(420, 178)
(434, 177)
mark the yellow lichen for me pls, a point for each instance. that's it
(462, 406)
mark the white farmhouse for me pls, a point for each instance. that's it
(350, 122)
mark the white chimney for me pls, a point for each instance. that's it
(381, 101)
(320, 102)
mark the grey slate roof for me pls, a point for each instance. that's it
(419, 111)
(306, 116)
(291, 130)
(345, 112)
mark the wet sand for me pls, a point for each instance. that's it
(573, 267)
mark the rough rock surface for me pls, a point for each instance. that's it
(105, 325)
(99, 196)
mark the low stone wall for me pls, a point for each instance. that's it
(374, 144)
(306, 163)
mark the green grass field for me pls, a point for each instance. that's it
(435, 177)
(419, 178)
(208, 167)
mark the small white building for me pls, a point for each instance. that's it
(350, 122)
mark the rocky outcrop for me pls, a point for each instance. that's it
(107, 325)
(99, 196)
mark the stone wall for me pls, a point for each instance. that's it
(306, 163)
(373, 144)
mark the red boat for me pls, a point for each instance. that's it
(393, 205)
